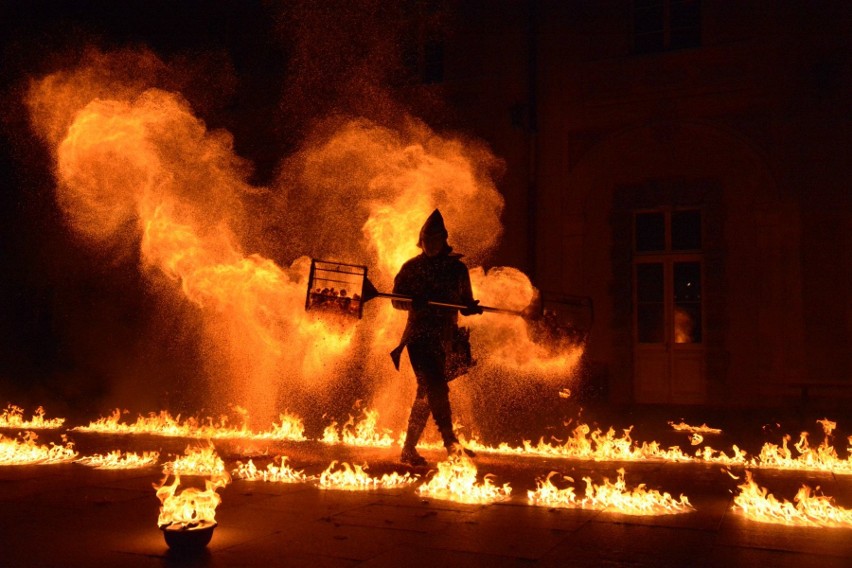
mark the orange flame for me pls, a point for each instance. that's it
(13, 417)
(823, 458)
(456, 480)
(197, 461)
(355, 478)
(279, 471)
(703, 429)
(614, 497)
(117, 459)
(25, 451)
(587, 444)
(810, 509)
(192, 506)
(289, 428)
(361, 433)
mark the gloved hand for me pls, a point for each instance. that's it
(419, 302)
(473, 309)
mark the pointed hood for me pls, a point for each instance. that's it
(434, 225)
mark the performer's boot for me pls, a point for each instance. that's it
(416, 424)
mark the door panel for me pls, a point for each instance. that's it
(687, 385)
(651, 371)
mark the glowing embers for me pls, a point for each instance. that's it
(13, 417)
(334, 300)
(363, 433)
(455, 480)
(26, 451)
(278, 471)
(703, 429)
(612, 497)
(120, 460)
(197, 461)
(810, 509)
(163, 423)
(822, 458)
(355, 478)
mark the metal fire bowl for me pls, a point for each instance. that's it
(183, 539)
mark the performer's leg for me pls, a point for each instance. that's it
(417, 419)
(428, 363)
(438, 395)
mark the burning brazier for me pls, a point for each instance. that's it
(188, 518)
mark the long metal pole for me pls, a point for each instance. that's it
(404, 298)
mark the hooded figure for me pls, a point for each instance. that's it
(437, 274)
(433, 227)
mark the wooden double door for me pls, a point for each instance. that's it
(668, 276)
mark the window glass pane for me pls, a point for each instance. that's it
(650, 232)
(687, 281)
(650, 322)
(687, 302)
(686, 230)
(649, 282)
(687, 323)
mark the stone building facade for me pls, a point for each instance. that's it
(684, 163)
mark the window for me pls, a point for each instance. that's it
(650, 232)
(666, 25)
(668, 279)
(686, 230)
(677, 230)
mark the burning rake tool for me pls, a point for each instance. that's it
(340, 288)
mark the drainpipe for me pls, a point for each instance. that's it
(532, 138)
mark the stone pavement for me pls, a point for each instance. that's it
(70, 515)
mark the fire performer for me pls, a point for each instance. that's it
(432, 335)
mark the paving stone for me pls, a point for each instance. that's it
(519, 513)
(418, 518)
(617, 544)
(738, 531)
(413, 556)
(327, 538)
(745, 556)
(494, 539)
